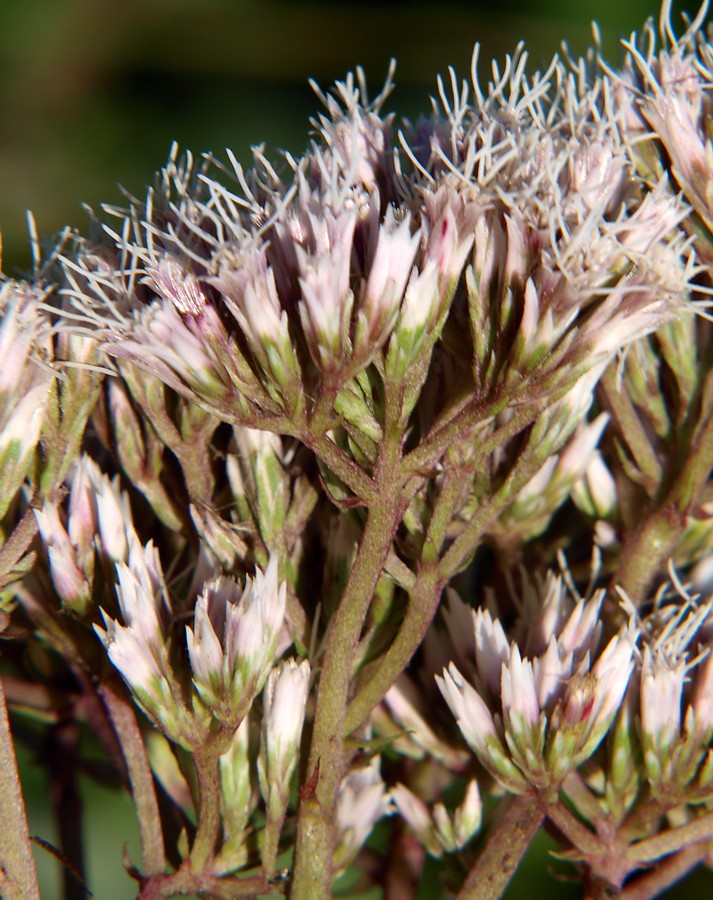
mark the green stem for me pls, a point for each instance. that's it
(187, 882)
(430, 450)
(527, 403)
(443, 512)
(465, 545)
(17, 544)
(143, 790)
(424, 596)
(644, 818)
(504, 850)
(426, 593)
(316, 820)
(18, 876)
(208, 776)
(271, 845)
(423, 604)
(576, 833)
(646, 550)
(619, 405)
(585, 802)
(341, 465)
(649, 547)
(399, 572)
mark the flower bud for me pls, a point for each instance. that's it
(232, 644)
(284, 702)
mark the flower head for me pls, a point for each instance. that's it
(233, 641)
(97, 523)
(675, 712)
(139, 648)
(532, 720)
(26, 380)
(514, 216)
(438, 830)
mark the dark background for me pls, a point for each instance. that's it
(93, 92)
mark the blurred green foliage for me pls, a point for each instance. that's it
(93, 92)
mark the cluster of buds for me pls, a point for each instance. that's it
(48, 387)
(97, 524)
(437, 830)
(533, 719)
(231, 647)
(677, 724)
(357, 260)
(26, 355)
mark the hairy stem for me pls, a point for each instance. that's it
(208, 777)
(672, 840)
(424, 597)
(667, 873)
(18, 877)
(316, 821)
(341, 465)
(141, 780)
(187, 882)
(649, 546)
(646, 550)
(584, 801)
(504, 850)
(619, 405)
(423, 604)
(575, 831)
(17, 544)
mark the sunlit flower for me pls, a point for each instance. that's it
(532, 720)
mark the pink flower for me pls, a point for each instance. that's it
(233, 641)
(284, 701)
(539, 718)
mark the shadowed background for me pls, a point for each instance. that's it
(92, 94)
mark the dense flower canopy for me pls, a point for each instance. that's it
(343, 495)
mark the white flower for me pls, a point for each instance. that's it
(437, 830)
(361, 801)
(534, 720)
(233, 642)
(26, 379)
(390, 269)
(284, 701)
(139, 649)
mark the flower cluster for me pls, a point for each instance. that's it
(355, 258)
(554, 708)
(231, 647)
(44, 406)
